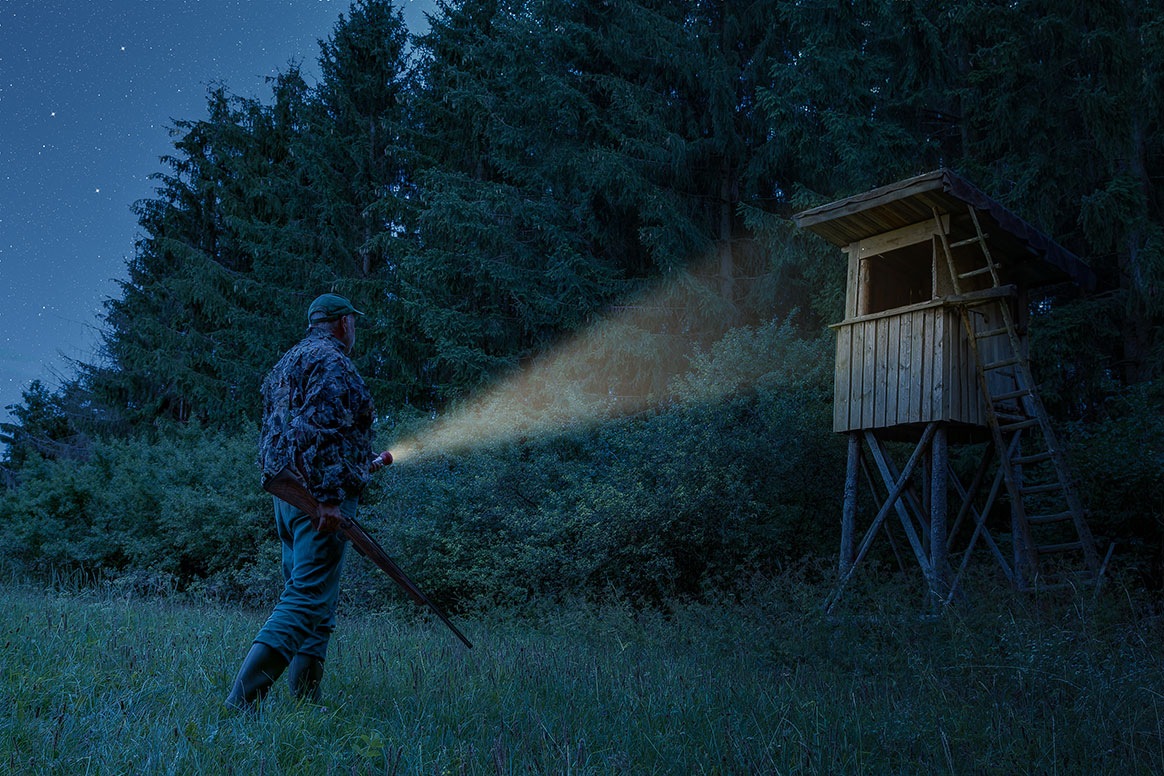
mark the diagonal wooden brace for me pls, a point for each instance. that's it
(890, 502)
(882, 460)
(980, 531)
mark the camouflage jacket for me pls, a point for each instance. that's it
(317, 419)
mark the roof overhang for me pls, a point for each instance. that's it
(913, 200)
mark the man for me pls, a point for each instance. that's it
(317, 421)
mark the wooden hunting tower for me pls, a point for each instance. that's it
(933, 349)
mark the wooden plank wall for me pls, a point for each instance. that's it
(912, 367)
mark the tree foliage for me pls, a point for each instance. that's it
(498, 182)
(523, 169)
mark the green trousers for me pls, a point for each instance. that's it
(304, 618)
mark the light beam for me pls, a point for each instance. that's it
(623, 364)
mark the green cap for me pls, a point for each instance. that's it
(328, 307)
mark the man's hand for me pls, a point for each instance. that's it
(328, 518)
(379, 462)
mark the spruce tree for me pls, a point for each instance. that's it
(499, 267)
(223, 272)
(263, 207)
(571, 152)
(1063, 107)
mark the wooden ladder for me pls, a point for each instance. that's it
(1047, 517)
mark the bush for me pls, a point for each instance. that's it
(652, 506)
(1118, 463)
(739, 471)
(168, 511)
(663, 503)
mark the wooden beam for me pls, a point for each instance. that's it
(879, 457)
(849, 512)
(910, 497)
(979, 530)
(882, 513)
(939, 456)
(983, 296)
(851, 282)
(877, 498)
(864, 287)
(971, 493)
(895, 312)
(900, 238)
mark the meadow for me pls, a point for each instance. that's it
(97, 681)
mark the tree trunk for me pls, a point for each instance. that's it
(726, 265)
(365, 251)
(1137, 323)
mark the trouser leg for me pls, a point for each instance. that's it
(304, 618)
(315, 645)
(305, 673)
(287, 522)
(298, 630)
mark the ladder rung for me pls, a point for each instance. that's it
(1036, 458)
(1047, 549)
(991, 333)
(1045, 488)
(973, 273)
(1055, 518)
(1019, 426)
(985, 296)
(1011, 395)
(1008, 417)
(1001, 364)
(968, 241)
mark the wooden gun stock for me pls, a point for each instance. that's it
(287, 486)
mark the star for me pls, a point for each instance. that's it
(53, 113)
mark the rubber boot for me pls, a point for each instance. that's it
(305, 674)
(259, 671)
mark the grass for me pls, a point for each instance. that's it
(97, 683)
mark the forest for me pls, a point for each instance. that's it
(571, 224)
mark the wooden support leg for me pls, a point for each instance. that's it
(939, 463)
(891, 501)
(849, 513)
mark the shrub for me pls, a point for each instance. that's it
(172, 509)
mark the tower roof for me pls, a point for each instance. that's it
(1042, 260)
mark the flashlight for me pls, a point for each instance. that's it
(380, 461)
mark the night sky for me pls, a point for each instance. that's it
(87, 93)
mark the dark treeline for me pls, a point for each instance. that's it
(503, 180)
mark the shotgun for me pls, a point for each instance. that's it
(287, 486)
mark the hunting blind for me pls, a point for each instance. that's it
(933, 350)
